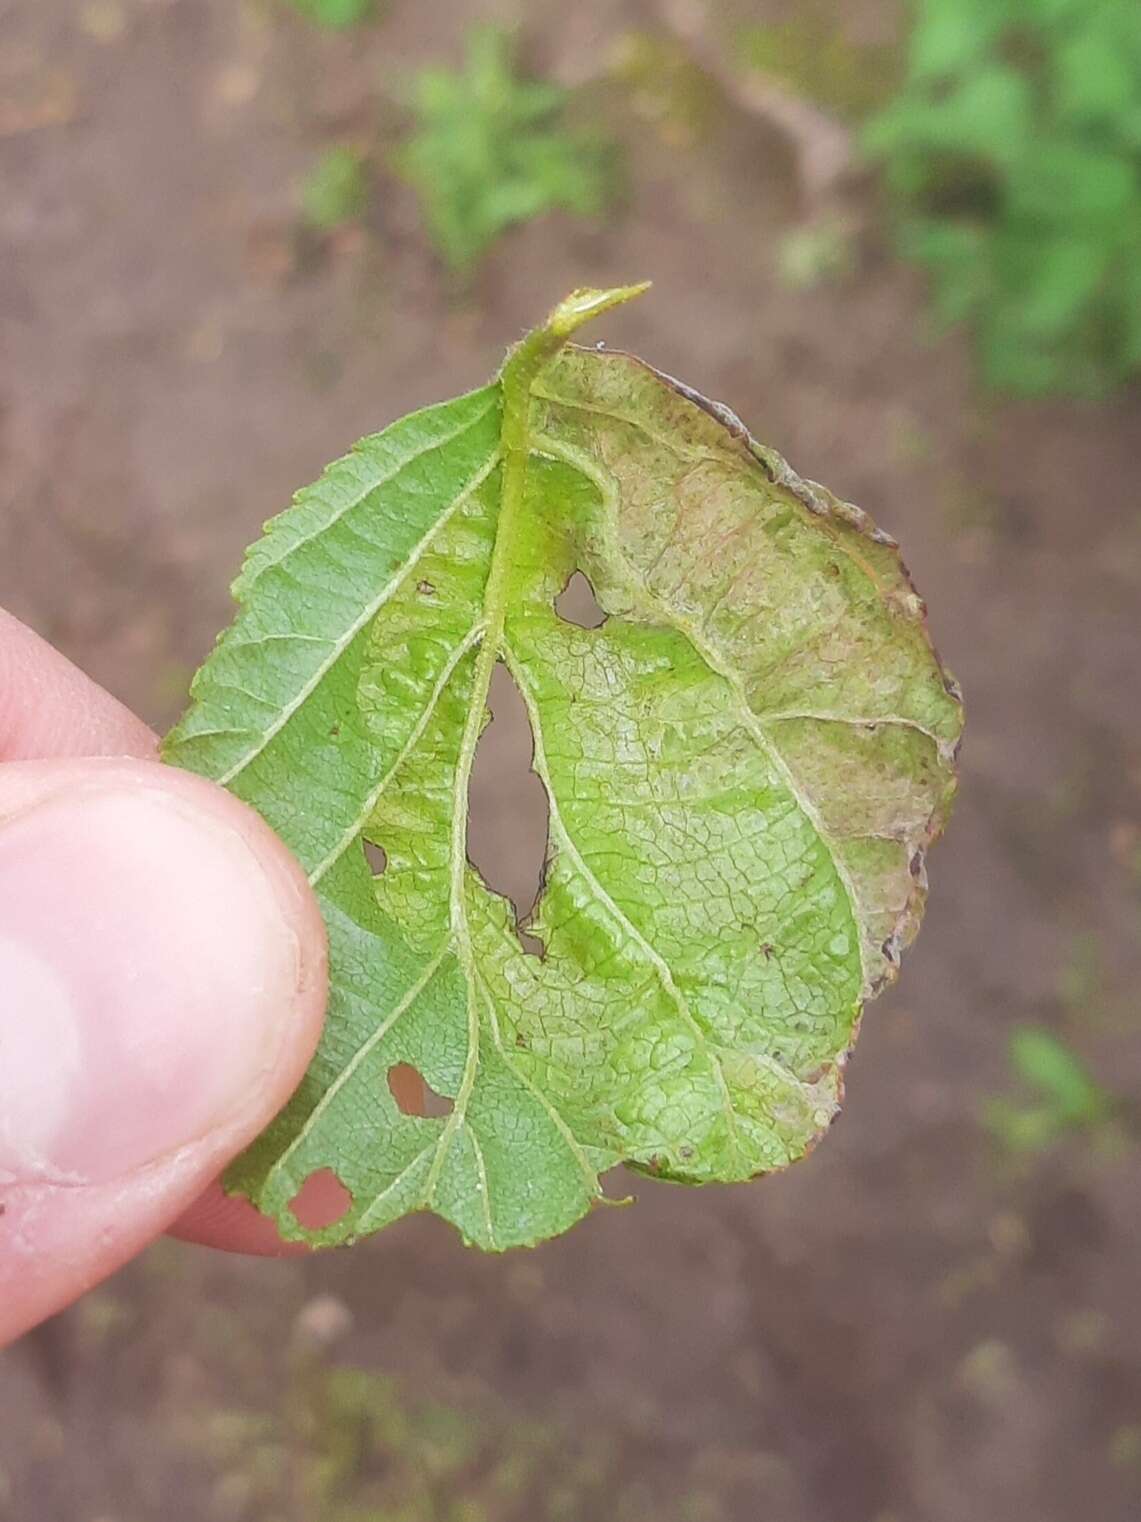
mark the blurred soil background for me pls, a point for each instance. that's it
(930, 1320)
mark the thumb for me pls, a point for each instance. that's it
(162, 979)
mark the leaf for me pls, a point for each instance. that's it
(1075, 187)
(1046, 1064)
(1017, 128)
(1069, 1097)
(335, 13)
(989, 113)
(1095, 75)
(336, 189)
(952, 35)
(490, 150)
(745, 764)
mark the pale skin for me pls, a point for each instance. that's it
(162, 988)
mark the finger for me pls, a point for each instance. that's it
(162, 980)
(219, 1220)
(49, 708)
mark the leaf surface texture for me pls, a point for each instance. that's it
(744, 763)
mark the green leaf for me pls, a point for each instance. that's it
(952, 35)
(1050, 283)
(336, 189)
(1096, 78)
(1046, 1064)
(990, 113)
(745, 764)
(335, 13)
(1018, 128)
(951, 251)
(1075, 188)
(489, 150)
(1022, 1128)
(1068, 1097)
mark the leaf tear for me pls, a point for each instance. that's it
(375, 856)
(321, 1201)
(414, 1095)
(509, 851)
(577, 604)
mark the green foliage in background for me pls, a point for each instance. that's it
(1014, 151)
(811, 53)
(344, 1444)
(490, 150)
(1067, 1097)
(336, 189)
(335, 13)
(815, 254)
(666, 87)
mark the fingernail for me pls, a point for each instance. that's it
(147, 963)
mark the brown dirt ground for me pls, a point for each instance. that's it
(907, 1328)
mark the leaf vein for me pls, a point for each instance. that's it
(608, 490)
(425, 718)
(686, 452)
(341, 644)
(573, 1144)
(405, 1002)
(367, 487)
(365, 1217)
(485, 1197)
(660, 965)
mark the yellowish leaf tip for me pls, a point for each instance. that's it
(583, 305)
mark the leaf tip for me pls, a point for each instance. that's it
(586, 303)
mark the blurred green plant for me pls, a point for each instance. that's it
(1068, 1097)
(335, 13)
(490, 150)
(349, 1445)
(811, 53)
(815, 254)
(1014, 151)
(665, 86)
(335, 190)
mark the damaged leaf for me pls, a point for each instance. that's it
(745, 763)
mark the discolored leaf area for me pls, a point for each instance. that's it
(745, 763)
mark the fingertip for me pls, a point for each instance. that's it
(163, 960)
(48, 707)
(133, 866)
(231, 1224)
(301, 1022)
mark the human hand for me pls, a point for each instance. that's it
(162, 985)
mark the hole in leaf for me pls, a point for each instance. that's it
(577, 604)
(616, 1187)
(414, 1095)
(321, 1201)
(375, 856)
(509, 813)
